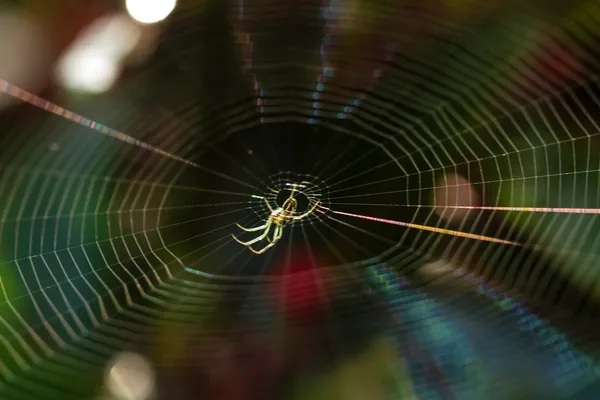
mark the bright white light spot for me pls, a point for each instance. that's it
(92, 62)
(116, 34)
(150, 11)
(88, 71)
(130, 377)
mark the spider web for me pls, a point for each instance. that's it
(459, 134)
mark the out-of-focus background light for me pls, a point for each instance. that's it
(94, 60)
(150, 11)
(24, 53)
(130, 377)
(88, 71)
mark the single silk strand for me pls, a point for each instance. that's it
(426, 228)
(37, 101)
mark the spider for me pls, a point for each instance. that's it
(277, 220)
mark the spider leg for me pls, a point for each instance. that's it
(268, 204)
(292, 192)
(278, 233)
(256, 239)
(268, 239)
(267, 247)
(256, 228)
(276, 236)
(307, 212)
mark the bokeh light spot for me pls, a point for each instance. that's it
(130, 377)
(150, 11)
(453, 197)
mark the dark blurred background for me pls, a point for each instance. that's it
(452, 146)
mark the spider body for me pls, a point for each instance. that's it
(279, 217)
